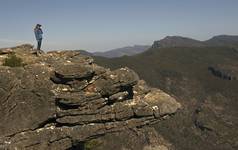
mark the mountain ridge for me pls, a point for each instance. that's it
(118, 52)
(169, 41)
(179, 41)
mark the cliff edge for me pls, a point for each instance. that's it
(61, 99)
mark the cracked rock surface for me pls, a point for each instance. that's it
(61, 99)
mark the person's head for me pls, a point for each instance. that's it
(38, 26)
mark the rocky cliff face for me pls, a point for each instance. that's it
(61, 100)
(224, 72)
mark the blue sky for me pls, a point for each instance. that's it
(99, 25)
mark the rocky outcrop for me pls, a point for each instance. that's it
(61, 99)
(225, 74)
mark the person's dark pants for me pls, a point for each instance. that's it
(39, 44)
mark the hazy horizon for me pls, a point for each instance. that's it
(107, 24)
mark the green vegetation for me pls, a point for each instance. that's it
(92, 144)
(13, 61)
(155, 65)
(207, 100)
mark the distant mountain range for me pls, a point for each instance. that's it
(125, 51)
(169, 41)
(178, 41)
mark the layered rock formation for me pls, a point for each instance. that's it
(59, 100)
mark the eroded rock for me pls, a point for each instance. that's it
(61, 99)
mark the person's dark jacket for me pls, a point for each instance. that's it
(38, 34)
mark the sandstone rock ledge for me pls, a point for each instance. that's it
(60, 99)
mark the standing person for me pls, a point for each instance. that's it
(38, 33)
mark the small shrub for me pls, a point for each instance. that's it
(13, 61)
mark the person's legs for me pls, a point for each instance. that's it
(39, 44)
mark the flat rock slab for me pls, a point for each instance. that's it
(74, 71)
